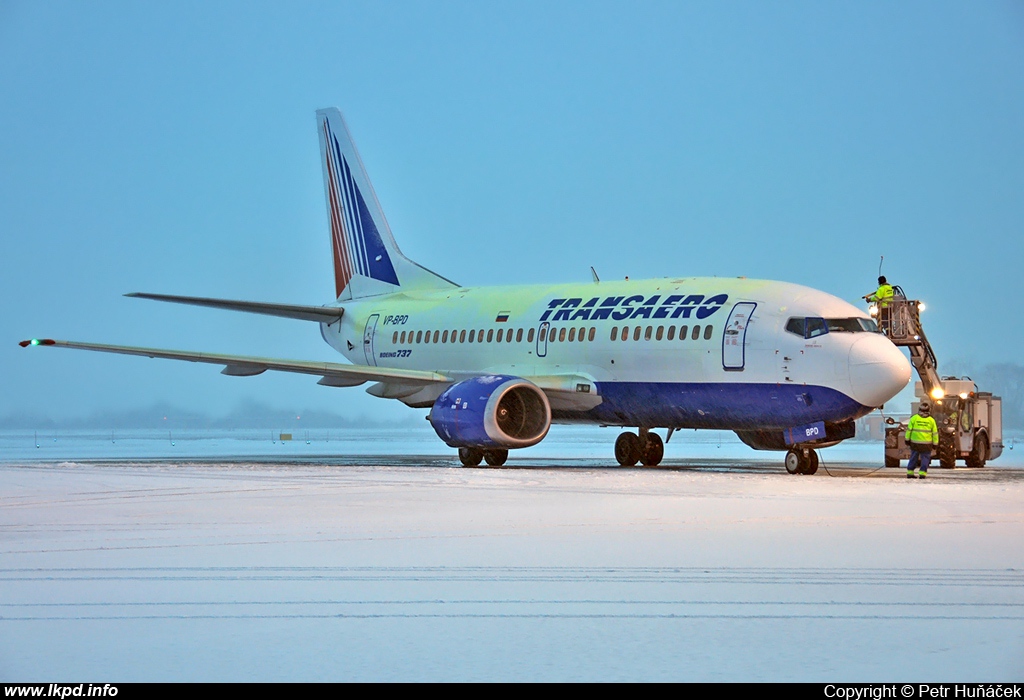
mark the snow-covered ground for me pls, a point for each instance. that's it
(243, 559)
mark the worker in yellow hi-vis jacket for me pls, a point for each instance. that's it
(881, 298)
(922, 437)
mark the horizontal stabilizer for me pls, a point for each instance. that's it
(322, 314)
(332, 373)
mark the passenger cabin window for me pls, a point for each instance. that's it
(529, 336)
(696, 333)
(708, 330)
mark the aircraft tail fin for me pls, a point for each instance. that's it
(367, 261)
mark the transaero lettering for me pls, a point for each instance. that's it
(637, 306)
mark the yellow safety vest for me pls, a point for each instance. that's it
(882, 295)
(922, 430)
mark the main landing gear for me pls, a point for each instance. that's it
(801, 460)
(472, 456)
(645, 447)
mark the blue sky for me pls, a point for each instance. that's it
(172, 148)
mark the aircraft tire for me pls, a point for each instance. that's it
(794, 461)
(627, 449)
(470, 456)
(496, 458)
(811, 464)
(653, 451)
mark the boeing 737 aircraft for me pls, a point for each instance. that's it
(786, 367)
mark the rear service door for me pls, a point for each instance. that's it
(735, 336)
(371, 326)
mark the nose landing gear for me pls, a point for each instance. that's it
(801, 460)
(645, 447)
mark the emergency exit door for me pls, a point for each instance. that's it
(734, 339)
(542, 339)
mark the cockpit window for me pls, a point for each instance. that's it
(813, 326)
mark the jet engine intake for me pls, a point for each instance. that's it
(491, 411)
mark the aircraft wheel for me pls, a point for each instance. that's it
(470, 456)
(496, 458)
(979, 451)
(794, 461)
(811, 465)
(653, 451)
(627, 449)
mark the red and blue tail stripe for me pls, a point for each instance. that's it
(355, 237)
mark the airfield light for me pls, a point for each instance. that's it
(938, 393)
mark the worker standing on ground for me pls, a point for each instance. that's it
(922, 436)
(881, 297)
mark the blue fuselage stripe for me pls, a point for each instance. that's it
(722, 406)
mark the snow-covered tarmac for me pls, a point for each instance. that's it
(717, 567)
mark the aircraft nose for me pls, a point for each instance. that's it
(878, 370)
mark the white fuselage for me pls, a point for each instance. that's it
(697, 352)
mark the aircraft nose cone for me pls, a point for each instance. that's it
(878, 370)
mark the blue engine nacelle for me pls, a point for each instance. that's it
(491, 411)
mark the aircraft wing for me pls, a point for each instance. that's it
(326, 314)
(331, 373)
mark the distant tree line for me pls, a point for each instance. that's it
(165, 416)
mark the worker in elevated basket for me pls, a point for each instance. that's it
(881, 298)
(922, 437)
